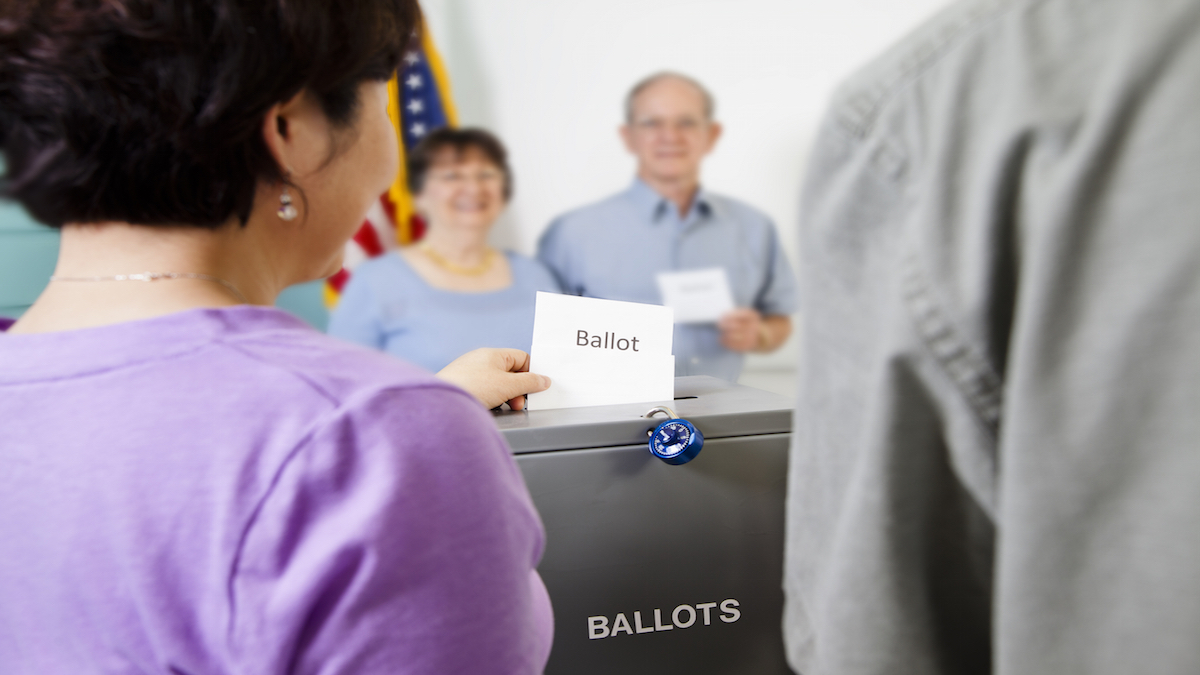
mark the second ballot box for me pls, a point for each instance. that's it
(655, 568)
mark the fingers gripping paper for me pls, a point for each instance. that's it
(601, 352)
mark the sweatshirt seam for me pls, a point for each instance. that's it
(974, 379)
(859, 110)
(116, 367)
(304, 443)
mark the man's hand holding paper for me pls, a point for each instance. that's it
(696, 296)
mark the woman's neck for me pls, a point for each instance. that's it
(92, 288)
(461, 248)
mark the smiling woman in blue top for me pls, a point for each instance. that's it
(432, 302)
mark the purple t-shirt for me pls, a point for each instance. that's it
(228, 491)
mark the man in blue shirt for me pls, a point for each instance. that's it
(666, 221)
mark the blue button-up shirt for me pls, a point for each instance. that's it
(613, 249)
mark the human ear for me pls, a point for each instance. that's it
(298, 135)
(421, 204)
(626, 132)
(714, 134)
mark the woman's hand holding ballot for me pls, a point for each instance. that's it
(495, 376)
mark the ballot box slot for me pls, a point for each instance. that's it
(633, 432)
(634, 446)
(719, 409)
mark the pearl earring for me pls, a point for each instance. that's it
(286, 210)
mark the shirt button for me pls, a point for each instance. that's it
(695, 360)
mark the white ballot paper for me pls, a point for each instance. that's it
(601, 352)
(697, 296)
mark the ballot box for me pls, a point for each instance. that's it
(654, 568)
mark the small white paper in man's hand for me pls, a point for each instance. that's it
(601, 352)
(697, 296)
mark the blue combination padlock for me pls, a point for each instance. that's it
(675, 441)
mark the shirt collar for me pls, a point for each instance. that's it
(654, 205)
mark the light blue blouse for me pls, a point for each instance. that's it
(389, 307)
(614, 248)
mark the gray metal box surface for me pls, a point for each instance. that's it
(629, 535)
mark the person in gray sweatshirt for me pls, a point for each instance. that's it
(996, 463)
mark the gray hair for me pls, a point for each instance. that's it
(710, 104)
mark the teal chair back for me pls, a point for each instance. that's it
(28, 252)
(27, 255)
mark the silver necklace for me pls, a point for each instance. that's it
(156, 276)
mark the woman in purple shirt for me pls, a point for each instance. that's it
(190, 480)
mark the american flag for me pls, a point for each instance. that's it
(419, 102)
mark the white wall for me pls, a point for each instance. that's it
(549, 77)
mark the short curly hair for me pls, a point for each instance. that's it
(150, 111)
(458, 141)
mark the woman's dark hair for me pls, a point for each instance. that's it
(458, 141)
(151, 111)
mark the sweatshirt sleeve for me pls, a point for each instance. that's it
(400, 538)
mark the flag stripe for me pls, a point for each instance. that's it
(338, 281)
(368, 239)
